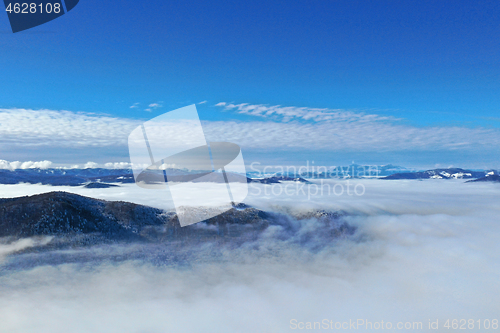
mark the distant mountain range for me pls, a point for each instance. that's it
(450, 173)
(67, 177)
(490, 177)
(323, 172)
(277, 180)
(103, 178)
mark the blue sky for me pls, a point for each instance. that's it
(423, 63)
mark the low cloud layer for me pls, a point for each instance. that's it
(8, 247)
(423, 251)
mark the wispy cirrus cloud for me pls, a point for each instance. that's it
(361, 136)
(330, 132)
(153, 106)
(34, 128)
(342, 130)
(288, 113)
(149, 108)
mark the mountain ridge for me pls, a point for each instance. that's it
(447, 173)
(71, 215)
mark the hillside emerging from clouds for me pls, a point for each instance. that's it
(67, 214)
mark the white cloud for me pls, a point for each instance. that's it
(15, 165)
(361, 136)
(118, 165)
(135, 106)
(22, 127)
(203, 102)
(326, 129)
(90, 165)
(6, 165)
(154, 106)
(287, 113)
(7, 248)
(331, 131)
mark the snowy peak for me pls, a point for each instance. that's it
(450, 173)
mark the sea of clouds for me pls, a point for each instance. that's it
(422, 250)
